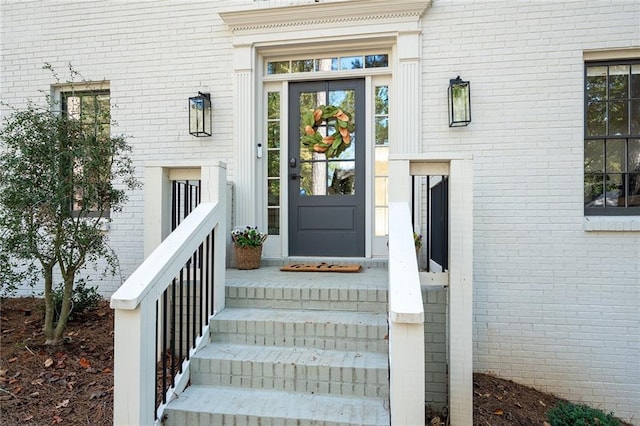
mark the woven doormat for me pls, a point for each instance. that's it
(320, 267)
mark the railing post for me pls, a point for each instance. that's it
(214, 179)
(406, 322)
(134, 366)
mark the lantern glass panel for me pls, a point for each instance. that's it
(459, 94)
(200, 116)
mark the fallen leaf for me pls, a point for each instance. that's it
(106, 370)
(518, 405)
(63, 404)
(3, 372)
(56, 419)
(34, 394)
(13, 359)
(84, 363)
(48, 363)
(26, 419)
(13, 381)
(542, 403)
(498, 412)
(37, 382)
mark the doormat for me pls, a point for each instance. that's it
(320, 267)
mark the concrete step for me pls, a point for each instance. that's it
(333, 330)
(209, 405)
(306, 370)
(307, 294)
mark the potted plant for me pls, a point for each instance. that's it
(417, 241)
(247, 244)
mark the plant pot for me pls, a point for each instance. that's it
(248, 257)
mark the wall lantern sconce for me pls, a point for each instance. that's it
(459, 102)
(200, 115)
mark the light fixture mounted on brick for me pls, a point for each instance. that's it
(459, 102)
(200, 115)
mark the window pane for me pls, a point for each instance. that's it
(635, 81)
(274, 221)
(596, 83)
(382, 100)
(327, 64)
(342, 177)
(593, 190)
(618, 118)
(273, 134)
(634, 190)
(635, 118)
(302, 65)
(273, 192)
(273, 165)
(596, 119)
(614, 197)
(633, 148)
(382, 220)
(619, 82)
(382, 161)
(313, 175)
(594, 156)
(273, 105)
(615, 155)
(351, 63)
(281, 67)
(376, 61)
(381, 195)
(382, 131)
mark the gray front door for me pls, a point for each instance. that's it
(327, 193)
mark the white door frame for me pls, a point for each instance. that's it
(355, 24)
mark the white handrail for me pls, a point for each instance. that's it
(406, 322)
(135, 302)
(156, 272)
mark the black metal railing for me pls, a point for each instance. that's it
(434, 215)
(182, 312)
(186, 305)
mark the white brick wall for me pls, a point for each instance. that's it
(555, 306)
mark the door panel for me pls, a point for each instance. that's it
(326, 195)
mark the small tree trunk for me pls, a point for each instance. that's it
(49, 306)
(66, 307)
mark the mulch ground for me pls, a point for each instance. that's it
(72, 384)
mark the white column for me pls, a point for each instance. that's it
(461, 292)
(134, 366)
(157, 207)
(244, 136)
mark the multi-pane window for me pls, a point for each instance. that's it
(333, 63)
(91, 160)
(612, 138)
(273, 162)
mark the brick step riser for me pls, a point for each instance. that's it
(308, 298)
(353, 381)
(345, 337)
(208, 419)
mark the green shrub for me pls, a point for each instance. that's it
(82, 298)
(568, 414)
